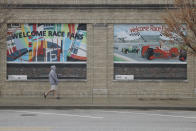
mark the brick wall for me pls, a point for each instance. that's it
(152, 71)
(100, 68)
(40, 71)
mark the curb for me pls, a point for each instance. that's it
(99, 107)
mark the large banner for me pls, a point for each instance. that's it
(46, 43)
(145, 43)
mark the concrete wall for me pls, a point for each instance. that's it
(100, 68)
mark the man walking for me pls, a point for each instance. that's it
(53, 82)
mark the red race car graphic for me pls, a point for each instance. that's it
(156, 53)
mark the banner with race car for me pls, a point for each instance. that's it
(46, 43)
(145, 43)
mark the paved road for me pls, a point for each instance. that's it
(97, 120)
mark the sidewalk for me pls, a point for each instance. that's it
(95, 103)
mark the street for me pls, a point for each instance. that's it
(97, 120)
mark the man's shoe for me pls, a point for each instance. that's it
(58, 97)
(44, 95)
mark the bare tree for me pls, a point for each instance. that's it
(181, 22)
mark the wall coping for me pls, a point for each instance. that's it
(89, 6)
